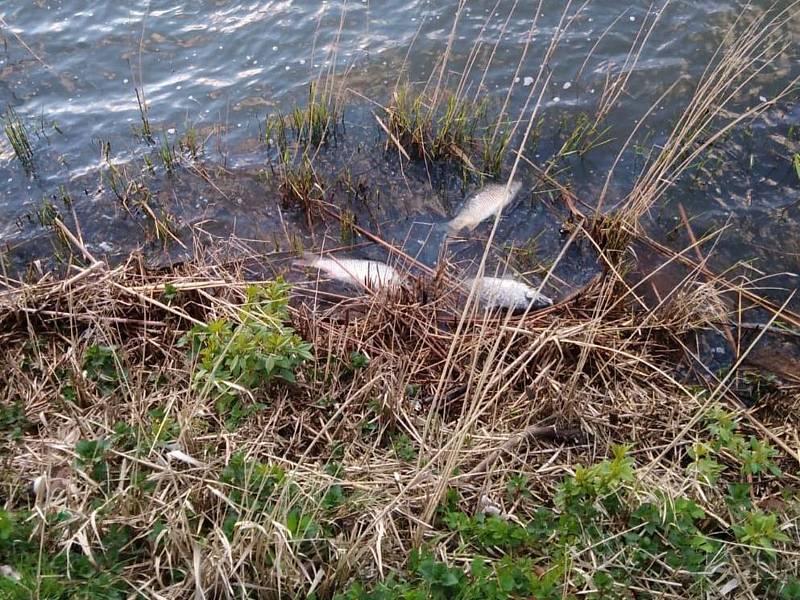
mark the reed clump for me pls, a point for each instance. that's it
(17, 135)
(309, 126)
(452, 128)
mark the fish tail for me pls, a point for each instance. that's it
(443, 227)
(452, 226)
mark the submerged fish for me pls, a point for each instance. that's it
(496, 292)
(486, 203)
(371, 273)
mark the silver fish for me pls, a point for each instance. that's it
(486, 203)
(370, 273)
(497, 292)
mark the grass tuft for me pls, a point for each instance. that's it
(17, 136)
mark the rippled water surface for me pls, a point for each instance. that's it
(71, 71)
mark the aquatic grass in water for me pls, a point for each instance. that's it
(167, 154)
(315, 123)
(135, 196)
(456, 129)
(17, 136)
(583, 137)
(145, 131)
(190, 145)
(300, 185)
(311, 125)
(347, 220)
(494, 153)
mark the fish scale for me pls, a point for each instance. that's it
(497, 292)
(487, 202)
(370, 273)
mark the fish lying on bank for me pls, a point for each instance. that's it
(497, 292)
(371, 273)
(487, 202)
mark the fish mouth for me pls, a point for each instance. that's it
(539, 301)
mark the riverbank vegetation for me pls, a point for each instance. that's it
(195, 429)
(209, 430)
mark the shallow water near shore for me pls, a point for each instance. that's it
(219, 68)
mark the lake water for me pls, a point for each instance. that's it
(71, 70)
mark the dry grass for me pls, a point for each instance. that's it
(529, 396)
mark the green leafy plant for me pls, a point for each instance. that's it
(757, 457)
(13, 421)
(170, 293)
(703, 465)
(245, 355)
(601, 485)
(404, 448)
(47, 572)
(92, 458)
(252, 482)
(759, 531)
(163, 428)
(100, 366)
(358, 360)
(517, 487)
(430, 578)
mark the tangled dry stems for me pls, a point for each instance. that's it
(532, 394)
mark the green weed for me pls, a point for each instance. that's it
(252, 482)
(759, 531)
(404, 448)
(100, 366)
(232, 356)
(47, 571)
(13, 420)
(429, 577)
(92, 458)
(661, 535)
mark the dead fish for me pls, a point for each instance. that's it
(370, 273)
(486, 203)
(183, 457)
(10, 572)
(497, 292)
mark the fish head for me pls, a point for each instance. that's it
(537, 300)
(514, 188)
